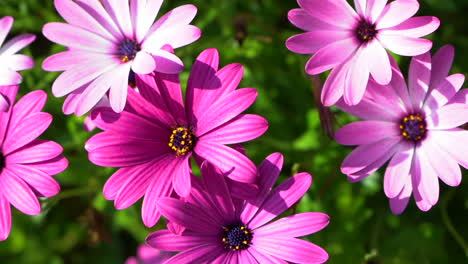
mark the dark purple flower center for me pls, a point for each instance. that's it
(131, 79)
(413, 127)
(237, 237)
(182, 140)
(128, 49)
(2, 162)
(365, 31)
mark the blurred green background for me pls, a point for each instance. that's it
(80, 226)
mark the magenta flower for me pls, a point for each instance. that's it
(106, 40)
(26, 163)
(148, 255)
(415, 128)
(154, 138)
(352, 43)
(222, 229)
(12, 62)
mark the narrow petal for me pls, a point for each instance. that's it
(301, 19)
(264, 257)
(19, 62)
(398, 204)
(205, 253)
(98, 12)
(419, 78)
(424, 178)
(416, 27)
(5, 26)
(291, 249)
(379, 63)
(454, 143)
(397, 172)
(16, 44)
(215, 183)
(445, 166)
(228, 160)
(167, 62)
(177, 36)
(375, 8)
(36, 151)
(445, 91)
(143, 63)
(51, 167)
(171, 94)
(181, 15)
(9, 77)
(30, 103)
(19, 194)
(281, 198)
(396, 12)
(120, 13)
(64, 60)
(143, 14)
(441, 63)
(403, 45)
(41, 183)
(357, 79)
(331, 55)
(333, 88)
(449, 116)
(294, 226)
(5, 213)
(365, 132)
(181, 177)
(338, 13)
(167, 241)
(312, 41)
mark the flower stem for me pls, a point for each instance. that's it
(448, 223)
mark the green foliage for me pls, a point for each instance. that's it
(80, 226)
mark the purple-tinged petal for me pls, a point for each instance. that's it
(181, 15)
(453, 142)
(51, 167)
(312, 41)
(29, 129)
(19, 62)
(177, 36)
(333, 88)
(445, 166)
(30, 103)
(361, 6)
(143, 14)
(36, 151)
(365, 132)
(18, 193)
(264, 258)
(398, 169)
(4, 104)
(98, 12)
(246, 257)
(416, 27)
(167, 62)
(119, 88)
(41, 183)
(301, 19)
(243, 128)
(294, 226)
(364, 155)
(9, 77)
(168, 241)
(398, 204)
(5, 26)
(5, 213)
(143, 63)
(120, 13)
(338, 13)
(281, 198)
(291, 249)
(171, 93)
(331, 55)
(202, 254)
(441, 63)
(419, 77)
(215, 184)
(375, 8)
(379, 63)
(181, 177)
(357, 79)
(64, 60)
(16, 44)
(449, 116)
(445, 91)
(424, 177)
(238, 166)
(403, 45)
(397, 12)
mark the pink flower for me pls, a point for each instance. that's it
(154, 138)
(352, 43)
(148, 255)
(106, 41)
(415, 128)
(222, 229)
(12, 62)
(26, 163)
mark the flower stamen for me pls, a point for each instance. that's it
(237, 237)
(128, 50)
(366, 31)
(182, 140)
(413, 127)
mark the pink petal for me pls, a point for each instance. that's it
(19, 62)
(364, 155)
(291, 249)
(356, 80)
(204, 253)
(16, 44)
(424, 178)
(331, 55)
(416, 27)
(119, 89)
(9, 77)
(261, 257)
(375, 8)
(397, 12)
(178, 36)
(338, 13)
(181, 177)
(181, 15)
(30, 103)
(294, 226)
(51, 167)
(18, 193)
(4, 104)
(398, 169)
(379, 63)
(312, 41)
(5, 211)
(445, 91)
(449, 116)
(36, 151)
(143, 14)
(168, 241)
(361, 6)
(64, 60)
(171, 94)
(419, 78)
(143, 63)
(29, 129)
(358, 133)
(5, 27)
(403, 45)
(453, 142)
(228, 160)
(120, 13)
(333, 88)
(40, 182)
(243, 128)
(281, 198)
(98, 12)
(167, 62)
(116, 181)
(445, 166)
(301, 19)
(399, 203)
(441, 64)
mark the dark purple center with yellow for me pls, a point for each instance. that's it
(182, 140)
(128, 49)
(365, 31)
(237, 237)
(413, 127)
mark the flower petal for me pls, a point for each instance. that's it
(338, 13)
(5, 212)
(445, 91)
(301, 19)
(143, 63)
(36, 151)
(18, 193)
(41, 183)
(5, 26)
(357, 79)
(167, 62)
(365, 132)
(201, 254)
(312, 41)
(445, 166)
(454, 143)
(398, 204)
(19, 62)
(51, 167)
(294, 226)
(398, 169)
(16, 44)
(379, 63)
(397, 12)
(403, 45)
(416, 27)
(449, 116)
(167, 241)
(181, 177)
(424, 178)
(419, 77)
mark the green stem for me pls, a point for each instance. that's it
(448, 223)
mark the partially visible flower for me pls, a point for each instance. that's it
(26, 163)
(148, 255)
(415, 128)
(106, 40)
(12, 62)
(352, 43)
(220, 228)
(155, 137)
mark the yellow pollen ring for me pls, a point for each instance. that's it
(181, 140)
(125, 59)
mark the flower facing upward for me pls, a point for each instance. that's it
(352, 43)
(26, 163)
(106, 40)
(12, 62)
(415, 128)
(218, 228)
(148, 255)
(154, 138)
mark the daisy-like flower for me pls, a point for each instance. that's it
(219, 228)
(12, 62)
(108, 39)
(154, 138)
(415, 128)
(148, 255)
(352, 43)
(26, 163)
